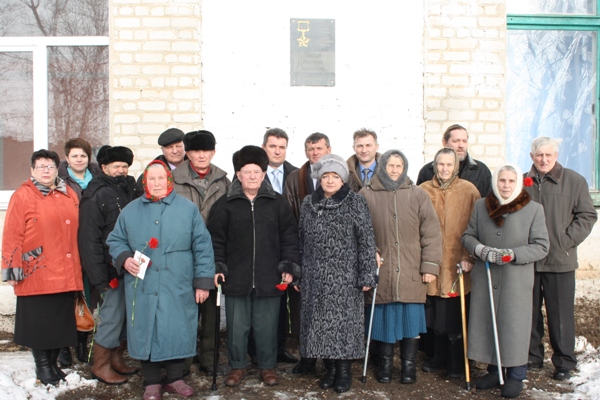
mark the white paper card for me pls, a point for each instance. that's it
(144, 261)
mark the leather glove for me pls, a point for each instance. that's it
(501, 256)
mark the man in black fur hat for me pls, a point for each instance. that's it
(103, 199)
(255, 240)
(203, 183)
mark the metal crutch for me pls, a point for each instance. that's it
(463, 311)
(217, 330)
(493, 309)
(364, 375)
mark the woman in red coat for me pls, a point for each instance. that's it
(40, 259)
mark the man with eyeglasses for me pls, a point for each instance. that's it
(101, 204)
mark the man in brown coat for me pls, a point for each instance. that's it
(570, 216)
(203, 183)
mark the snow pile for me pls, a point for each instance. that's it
(586, 382)
(17, 379)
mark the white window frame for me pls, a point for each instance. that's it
(38, 46)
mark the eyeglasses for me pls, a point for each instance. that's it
(51, 167)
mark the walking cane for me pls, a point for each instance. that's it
(217, 329)
(496, 343)
(364, 375)
(463, 311)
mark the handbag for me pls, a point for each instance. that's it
(83, 316)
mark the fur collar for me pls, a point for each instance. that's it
(497, 212)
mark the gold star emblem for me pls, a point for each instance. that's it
(303, 41)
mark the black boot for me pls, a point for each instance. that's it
(456, 356)
(305, 366)
(343, 375)
(374, 352)
(329, 379)
(82, 350)
(408, 356)
(43, 368)
(438, 362)
(386, 362)
(64, 357)
(53, 357)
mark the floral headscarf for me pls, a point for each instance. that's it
(169, 181)
(446, 183)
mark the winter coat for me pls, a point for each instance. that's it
(337, 247)
(570, 215)
(165, 317)
(354, 176)
(524, 231)
(453, 207)
(102, 202)
(63, 173)
(470, 170)
(408, 236)
(39, 241)
(297, 186)
(254, 241)
(218, 184)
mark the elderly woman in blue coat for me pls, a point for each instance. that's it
(161, 308)
(507, 230)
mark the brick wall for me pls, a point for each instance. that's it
(465, 62)
(154, 72)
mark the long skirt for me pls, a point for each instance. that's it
(444, 314)
(397, 321)
(46, 321)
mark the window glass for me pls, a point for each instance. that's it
(551, 86)
(77, 96)
(551, 7)
(16, 118)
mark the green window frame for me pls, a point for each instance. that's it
(574, 23)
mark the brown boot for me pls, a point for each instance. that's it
(118, 364)
(102, 370)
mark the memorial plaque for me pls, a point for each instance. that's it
(312, 52)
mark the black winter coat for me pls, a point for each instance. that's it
(470, 170)
(100, 206)
(253, 241)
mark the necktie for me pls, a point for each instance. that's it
(365, 179)
(276, 182)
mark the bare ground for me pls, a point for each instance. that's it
(428, 386)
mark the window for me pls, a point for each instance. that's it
(552, 85)
(53, 80)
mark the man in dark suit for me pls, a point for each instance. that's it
(275, 144)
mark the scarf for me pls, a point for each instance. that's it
(445, 184)
(169, 181)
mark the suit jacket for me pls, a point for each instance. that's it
(287, 168)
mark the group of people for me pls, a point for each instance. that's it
(295, 250)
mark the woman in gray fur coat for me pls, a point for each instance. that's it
(337, 249)
(508, 230)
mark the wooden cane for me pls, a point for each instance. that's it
(463, 311)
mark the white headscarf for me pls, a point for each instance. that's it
(518, 188)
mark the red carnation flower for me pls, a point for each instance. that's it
(153, 243)
(528, 181)
(114, 283)
(282, 286)
(452, 294)
(506, 258)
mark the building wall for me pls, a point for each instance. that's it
(405, 69)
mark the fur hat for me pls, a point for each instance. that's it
(109, 154)
(330, 163)
(250, 155)
(170, 136)
(199, 140)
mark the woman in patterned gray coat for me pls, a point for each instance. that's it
(337, 249)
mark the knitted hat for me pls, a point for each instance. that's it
(330, 163)
(109, 154)
(170, 136)
(199, 140)
(250, 155)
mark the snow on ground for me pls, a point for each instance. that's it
(17, 379)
